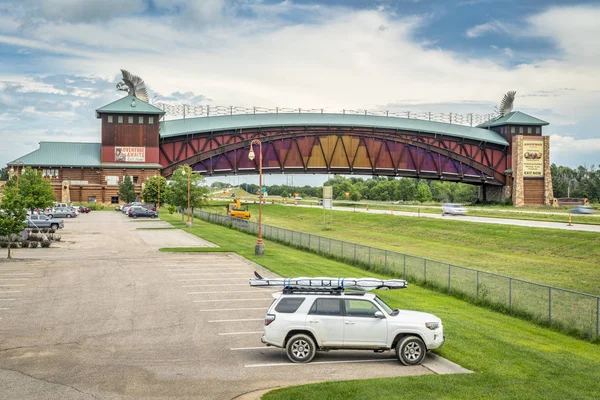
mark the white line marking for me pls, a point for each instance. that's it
(233, 309)
(14, 279)
(252, 348)
(10, 291)
(231, 284)
(230, 291)
(211, 273)
(239, 333)
(210, 279)
(219, 300)
(315, 363)
(12, 285)
(8, 299)
(210, 269)
(18, 274)
(237, 320)
(4, 308)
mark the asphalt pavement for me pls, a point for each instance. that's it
(104, 315)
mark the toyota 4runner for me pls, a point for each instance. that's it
(305, 322)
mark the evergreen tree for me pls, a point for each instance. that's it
(12, 215)
(35, 191)
(126, 190)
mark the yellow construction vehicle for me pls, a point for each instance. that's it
(235, 210)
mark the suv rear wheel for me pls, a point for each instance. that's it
(410, 350)
(54, 226)
(300, 348)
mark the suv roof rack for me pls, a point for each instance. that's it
(327, 285)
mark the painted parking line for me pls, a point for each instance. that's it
(230, 291)
(12, 285)
(239, 333)
(254, 348)
(210, 279)
(210, 269)
(17, 274)
(230, 284)
(8, 299)
(4, 308)
(236, 320)
(14, 279)
(213, 273)
(219, 300)
(9, 291)
(232, 309)
(316, 363)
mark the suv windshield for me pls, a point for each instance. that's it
(385, 307)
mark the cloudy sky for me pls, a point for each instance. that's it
(60, 60)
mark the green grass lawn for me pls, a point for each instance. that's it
(565, 259)
(511, 358)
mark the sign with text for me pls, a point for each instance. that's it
(130, 154)
(533, 158)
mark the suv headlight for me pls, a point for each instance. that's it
(432, 325)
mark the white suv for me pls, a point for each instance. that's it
(304, 322)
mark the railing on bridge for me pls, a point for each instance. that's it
(566, 309)
(188, 110)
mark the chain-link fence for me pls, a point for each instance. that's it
(562, 308)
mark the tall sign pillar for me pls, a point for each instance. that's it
(532, 179)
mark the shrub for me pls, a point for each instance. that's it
(45, 244)
(171, 209)
(14, 245)
(33, 245)
(3, 245)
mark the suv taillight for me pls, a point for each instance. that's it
(269, 318)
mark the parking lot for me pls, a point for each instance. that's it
(104, 315)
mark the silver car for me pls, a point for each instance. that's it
(44, 221)
(61, 212)
(454, 209)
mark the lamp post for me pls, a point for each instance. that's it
(259, 248)
(189, 175)
(158, 202)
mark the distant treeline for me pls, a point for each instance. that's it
(582, 181)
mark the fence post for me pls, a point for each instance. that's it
(477, 285)
(330, 246)
(342, 257)
(385, 267)
(510, 293)
(404, 273)
(449, 272)
(309, 235)
(425, 270)
(354, 253)
(319, 250)
(597, 317)
(550, 306)
(369, 256)
(284, 234)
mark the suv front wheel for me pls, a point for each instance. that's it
(300, 348)
(410, 350)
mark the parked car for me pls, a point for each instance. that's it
(84, 209)
(127, 206)
(149, 206)
(302, 323)
(139, 211)
(582, 210)
(61, 212)
(454, 209)
(44, 221)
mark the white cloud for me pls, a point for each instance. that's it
(562, 149)
(488, 27)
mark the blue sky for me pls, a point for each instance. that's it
(60, 60)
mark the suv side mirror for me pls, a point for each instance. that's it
(379, 314)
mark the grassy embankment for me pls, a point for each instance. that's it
(565, 259)
(511, 358)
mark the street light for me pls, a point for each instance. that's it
(158, 202)
(189, 175)
(259, 248)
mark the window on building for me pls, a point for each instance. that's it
(529, 130)
(120, 119)
(521, 130)
(538, 130)
(110, 119)
(111, 180)
(56, 173)
(114, 200)
(92, 199)
(512, 129)
(135, 180)
(130, 119)
(150, 120)
(140, 120)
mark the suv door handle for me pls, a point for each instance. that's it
(349, 322)
(313, 321)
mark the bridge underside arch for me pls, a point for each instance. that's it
(327, 150)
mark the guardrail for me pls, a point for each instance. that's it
(565, 309)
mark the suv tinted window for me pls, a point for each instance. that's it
(360, 308)
(289, 305)
(326, 307)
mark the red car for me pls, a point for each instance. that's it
(84, 209)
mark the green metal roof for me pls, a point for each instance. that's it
(220, 123)
(129, 105)
(136, 165)
(62, 154)
(515, 118)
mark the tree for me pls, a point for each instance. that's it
(179, 189)
(423, 192)
(4, 174)
(284, 194)
(150, 191)
(35, 191)
(126, 190)
(12, 215)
